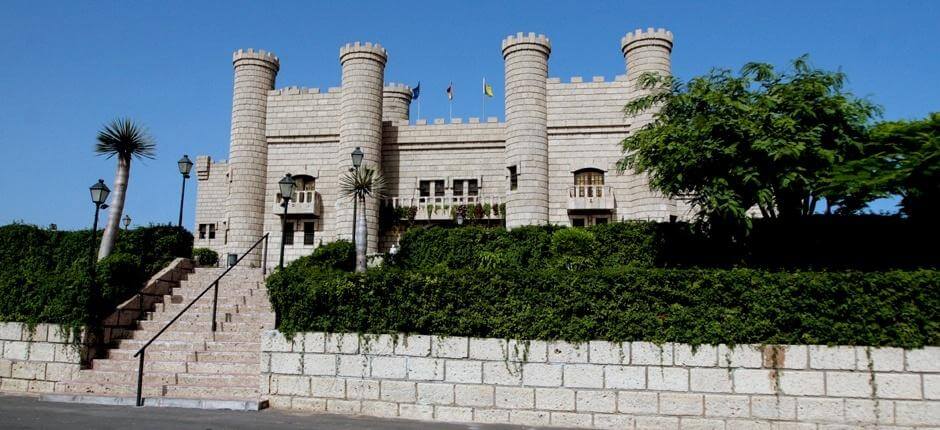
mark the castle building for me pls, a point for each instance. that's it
(553, 159)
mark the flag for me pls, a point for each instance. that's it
(487, 89)
(416, 91)
(450, 91)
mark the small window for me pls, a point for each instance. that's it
(288, 233)
(577, 222)
(458, 187)
(473, 188)
(513, 178)
(202, 231)
(424, 188)
(438, 188)
(600, 220)
(309, 233)
(211, 231)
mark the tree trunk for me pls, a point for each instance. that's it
(361, 236)
(116, 209)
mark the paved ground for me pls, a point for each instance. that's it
(30, 413)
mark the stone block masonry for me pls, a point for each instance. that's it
(630, 385)
(32, 360)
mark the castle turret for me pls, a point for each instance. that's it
(360, 125)
(255, 73)
(526, 58)
(648, 51)
(396, 102)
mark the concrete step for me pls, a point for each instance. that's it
(223, 300)
(128, 354)
(221, 325)
(224, 368)
(193, 315)
(107, 389)
(207, 335)
(219, 380)
(175, 308)
(164, 402)
(211, 392)
(124, 377)
(235, 346)
(131, 366)
(163, 345)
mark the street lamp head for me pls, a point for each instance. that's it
(286, 185)
(357, 157)
(459, 219)
(99, 192)
(127, 220)
(185, 165)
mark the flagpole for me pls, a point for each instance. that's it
(484, 99)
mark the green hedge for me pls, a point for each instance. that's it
(44, 273)
(894, 308)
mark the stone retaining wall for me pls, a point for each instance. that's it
(603, 385)
(34, 360)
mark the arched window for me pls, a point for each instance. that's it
(589, 182)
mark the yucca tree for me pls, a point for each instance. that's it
(358, 184)
(123, 139)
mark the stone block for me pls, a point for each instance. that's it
(328, 387)
(16, 350)
(338, 406)
(462, 371)
(832, 357)
(931, 385)
(529, 418)
(583, 376)
(784, 425)
(353, 365)
(362, 389)
(473, 395)
(613, 422)
(625, 377)
(307, 404)
(566, 352)
(571, 420)
(555, 399)
(710, 380)
(414, 345)
(319, 364)
(426, 369)
(843, 384)
(28, 370)
(542, 375)
(880, 359)
(596, 401)
(514, 397)
(490, 416)
(773, 407)
(747, 356)
(287, 363)
(41, 351)
(6, 368)
(39, 333)
(398, 391)
(11, 331)
(389, 367)
(926, 359)
(687, 423)
(820, 409)
(17, 385)
(57, 371)
(898, 386)
(274, 341)
(700, 356)
(450, 347)
(488, 349)
(375, 408)
(657, 423)
(435, 394)
(747, 425)
(288, 385)
(342, 343)
(917, 413)
(680, 404)
(453, 414)
(802, 382)
(383, 344)
(602, 352)
(864, 411)
(59, 334)
(647, 353)
(785, 356)
(41, 387)
(717, 405)
(68, 353)
(667, 379)
(502, 373)
(637, 402)
(315, 342)
(279, 402)
(754, 381)
(416, 412)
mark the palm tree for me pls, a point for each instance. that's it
(359, 184)
(125, 139)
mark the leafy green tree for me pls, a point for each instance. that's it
(359, 184)
(124, 139)
(760, 138)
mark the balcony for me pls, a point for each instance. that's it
(440, 208)
(591, 197)
(303, 203)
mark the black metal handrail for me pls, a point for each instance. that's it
(215, 298)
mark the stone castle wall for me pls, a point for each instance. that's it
(33, 360)
(602, 384)
(212, 193)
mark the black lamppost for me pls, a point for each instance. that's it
(127, 221)
(286, 185)
(99, 195)
(185, 164)
(356, 161)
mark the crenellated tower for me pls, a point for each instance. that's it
(360, 125)
(526, 59)
(648, 51)
(396, 102)
(255, 72)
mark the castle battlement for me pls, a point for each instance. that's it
(634, 38)
(522, 41)
(357, 49)
(259, 55)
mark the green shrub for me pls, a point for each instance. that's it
(703, 306)
(206, 257)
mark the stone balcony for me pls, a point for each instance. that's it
(303, 203)
(439, 208)
(591, 197)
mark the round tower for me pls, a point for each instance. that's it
(396, 102)
(648, 51)
(360, 125)
(526, 58)
(255, 72)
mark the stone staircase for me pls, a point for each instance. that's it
(189, 365)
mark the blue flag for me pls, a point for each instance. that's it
(416, 91)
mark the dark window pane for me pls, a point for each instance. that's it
(472, 188)
(599, 221)
(309, 233)
(438, 188)
(513, 178)
(211, 231)
(577, 222)
(458, 187)
(202, 231)
(424, 188)
(289, 233)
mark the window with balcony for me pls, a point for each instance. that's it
(425, 188)
(589, 183)
(466, 187)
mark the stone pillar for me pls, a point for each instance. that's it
(360, 125)
(248, 154)
(526, 58)
(396, 102)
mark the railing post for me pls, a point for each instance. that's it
(264, 258)
(215, 300)
(140, 378)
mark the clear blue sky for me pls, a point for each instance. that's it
(70, 66)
